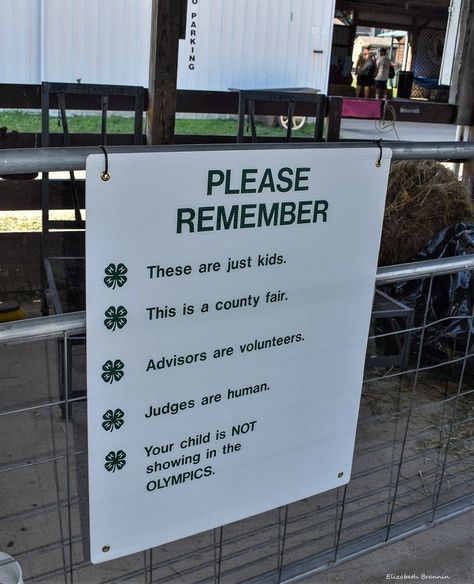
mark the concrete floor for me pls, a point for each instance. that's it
(444, 552)
(406, 131)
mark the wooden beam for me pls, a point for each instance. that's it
(334, 119)
(396, 5)
(463, 74)
(23, 195)
(166, 26)
(20, 257)
(413, 44)
(20, 96)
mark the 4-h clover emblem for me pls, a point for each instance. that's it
(113, 420)
(115, 317)
(112, 371)
(115, 275)
(115, 460)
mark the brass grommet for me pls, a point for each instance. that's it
(105, 176)
(106, 548)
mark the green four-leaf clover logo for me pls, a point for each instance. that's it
(113, 420)
(115, 460)
(115, 275)
(115, 317)
(112, 371)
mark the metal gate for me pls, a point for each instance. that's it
(413, 463)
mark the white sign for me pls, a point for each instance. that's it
(228, 304)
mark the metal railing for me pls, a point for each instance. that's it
(413, 462)
(75, 323)
(61, 159)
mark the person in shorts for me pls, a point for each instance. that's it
(365, 69)
(381, 74)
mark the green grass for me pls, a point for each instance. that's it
(91, 124)
(29, 122)
(229, 128)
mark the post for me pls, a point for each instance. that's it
(463, 75)
(168, 17)
(462, 84)
(334, 118)
(413, 45)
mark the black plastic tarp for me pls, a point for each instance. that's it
(450, 303)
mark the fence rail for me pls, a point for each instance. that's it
(413, 462)
(56, 325)
(25, 160)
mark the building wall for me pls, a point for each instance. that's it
(97, 41)
(20, 26)
(256, 44)
(238, 43)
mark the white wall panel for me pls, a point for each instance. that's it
(238, 43)
(20, 33)
(257, 44)
(97, 41)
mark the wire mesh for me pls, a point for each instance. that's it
(413, 467)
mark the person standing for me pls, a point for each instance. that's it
(365, 68)
(381, 74)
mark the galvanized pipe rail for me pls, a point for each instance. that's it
(25, 160)
(75, 322)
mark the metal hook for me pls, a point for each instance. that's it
(105, 174)
(378, 163)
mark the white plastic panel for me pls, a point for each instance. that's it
(236, 43)
(105, 41)
(256, 44)
(20, 25)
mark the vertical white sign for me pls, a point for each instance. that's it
(228, 304)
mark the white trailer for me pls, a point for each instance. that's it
(229, 43)
(256, 44)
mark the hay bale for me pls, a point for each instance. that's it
(423, 197)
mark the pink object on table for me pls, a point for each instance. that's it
(369, 109)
